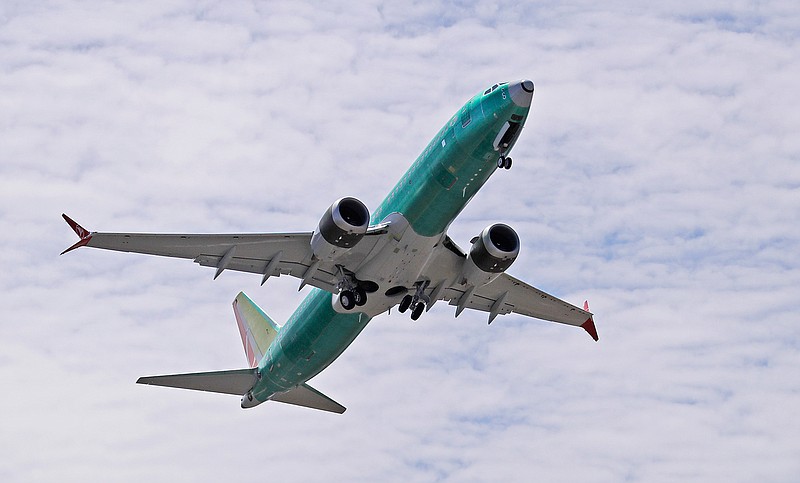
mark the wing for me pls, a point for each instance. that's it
(267, 254)
(503, 295)
(507, 294)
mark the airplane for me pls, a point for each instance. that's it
(362, 265)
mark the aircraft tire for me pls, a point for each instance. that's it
(507, 163)
(418, 309)
(347, 299)
(405, 303)
(360, 296)
(501, 162)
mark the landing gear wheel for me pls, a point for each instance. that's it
(360, 296)
(418, 309)
(405, 303)
(507, 163)
(501, 162)
(347, 299)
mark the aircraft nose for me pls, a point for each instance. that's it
(521, 92)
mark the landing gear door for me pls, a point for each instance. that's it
(507, 135)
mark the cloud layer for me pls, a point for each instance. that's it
(658, 176)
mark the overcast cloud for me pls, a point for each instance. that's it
(658, 177)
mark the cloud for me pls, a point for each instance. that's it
(657, 177)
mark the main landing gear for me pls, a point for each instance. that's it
(352, 298)
(503, 162)
(418, 301)
(351, 293)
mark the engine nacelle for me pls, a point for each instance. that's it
(492, 252)
(342, 226)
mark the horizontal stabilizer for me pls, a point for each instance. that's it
(236, 382)
(306, 396)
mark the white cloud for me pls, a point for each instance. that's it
(658, 177)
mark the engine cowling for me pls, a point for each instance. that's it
(341, 227)
(492, 252)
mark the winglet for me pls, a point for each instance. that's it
(82, 233)
(588, 326)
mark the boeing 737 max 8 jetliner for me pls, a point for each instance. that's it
(360, 265)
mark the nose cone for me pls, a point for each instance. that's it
(521, 92)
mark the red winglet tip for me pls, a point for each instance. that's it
(79, 230)
(82, 242)
(82, 233)
(589, 327)
(586, 305)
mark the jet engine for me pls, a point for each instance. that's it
(492, 252)
(342, 226)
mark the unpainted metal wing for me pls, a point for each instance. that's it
(503, 295)
(267, 254)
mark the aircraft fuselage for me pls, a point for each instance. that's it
(435, 189)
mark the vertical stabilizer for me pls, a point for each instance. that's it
(256, 328)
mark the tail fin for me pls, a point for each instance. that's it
(256, 328)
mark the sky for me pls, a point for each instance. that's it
(658, 176)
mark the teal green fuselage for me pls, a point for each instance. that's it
(434, 190)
